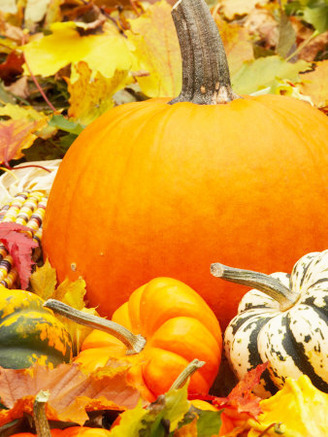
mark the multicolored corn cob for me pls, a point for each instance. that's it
(26, 208)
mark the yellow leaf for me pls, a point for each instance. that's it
(299, 407)
(314, 84)
(28, 113)
(105, 53)
(71, 293)
(237, 44)
(231, 8)
(44, 281)
(91, 97)
(157, 51)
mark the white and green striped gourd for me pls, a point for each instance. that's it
(284, 321)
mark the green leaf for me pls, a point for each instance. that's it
(208, 423)
(317, 16)
(177, 405)
(159, 419)
(287, 36)
(60, 122)
(266, 73)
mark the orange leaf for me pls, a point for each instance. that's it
(16, 135)
(72, 393)
(242, 397)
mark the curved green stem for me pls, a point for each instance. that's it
(205, 71)
(135, 343)
(265, 283)
(192, 367)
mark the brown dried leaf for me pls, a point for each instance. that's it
(72, 393)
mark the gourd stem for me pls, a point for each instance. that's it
(265, 283)
(39, 414)
(192, 367)
(135, 343)
(205, 71)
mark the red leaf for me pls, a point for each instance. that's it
(242, 398)
(12, 67)
(19, 245)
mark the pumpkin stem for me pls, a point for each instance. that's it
(39, 413)
(187, 372)
(205, 70)
(265, 283)
(135, 343)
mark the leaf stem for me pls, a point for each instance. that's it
(135, 343)
(39, 86)
(302, 45)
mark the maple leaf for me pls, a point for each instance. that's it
(16, 135)
(44, 283)
(19, 246)
(72, 393)
(156, 51)
(45, 59)
(92, 95)
(29, 114)
(242, 397)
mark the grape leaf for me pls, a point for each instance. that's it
(19, 246)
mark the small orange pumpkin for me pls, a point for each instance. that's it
(161, 188)
(177, 325)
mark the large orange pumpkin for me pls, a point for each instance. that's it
(157, 189)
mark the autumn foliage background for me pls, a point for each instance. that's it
(64, 63)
